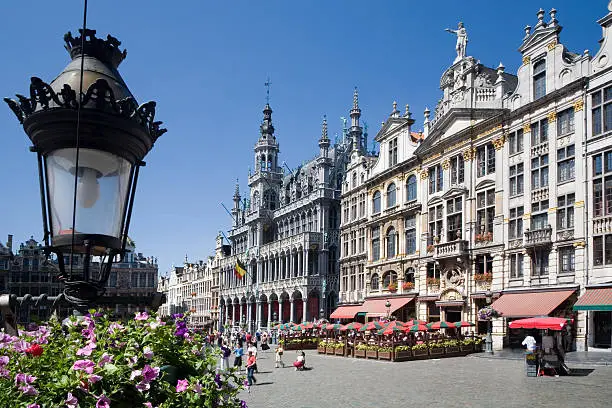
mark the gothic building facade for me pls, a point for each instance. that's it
(504, 198)
(286, 233)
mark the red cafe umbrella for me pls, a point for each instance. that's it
(440, 325)
(415, 328)
(331, 326)
(307, 325)
(552, 323)
(352, 326)
(390, 330)
(462, 324)
(371, 326)
(414, 321)
(394, 323)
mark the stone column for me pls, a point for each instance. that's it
(304, 309)
(233, 313)
(258, 318)
(241, 313)
(291, 310)
(280, 310)
(249, 315)
(269, 314)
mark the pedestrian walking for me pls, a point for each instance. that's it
(250, 365)
(224, 359)
(278, 357)
(238, 353)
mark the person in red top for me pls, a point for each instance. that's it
(250, 365)
(248, 338)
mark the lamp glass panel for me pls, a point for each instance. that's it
(103, 183)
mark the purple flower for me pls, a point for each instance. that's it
(4, 372)
(84, 365)
(103, 402)
(141, 316)
(4, 360)
(71, 401)
(218, 380)
(33, 405)
(149, 405)
(87, 350)
(114, 327)
(149, 373)
(28, 390)
(21, 378)
(134, 374)
(105, 359)
(177, 316)
(143, 386)
(147, 352)
(182, 385)
(93, 378)
(197, 388)
(131, 361)
(243, 404)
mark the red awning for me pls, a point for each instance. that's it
(346, 312)
(599, 299)
(376, 307)
(530, 304)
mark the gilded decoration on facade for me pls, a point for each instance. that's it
(424, 173)
(489, 131)
(526, 60)
(446, 164)
(527, 127)
(469, 154)
(552, 116)
(499, 142)
(578, 105)
(552, 45)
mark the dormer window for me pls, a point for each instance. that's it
(539, 79)
(392, 152)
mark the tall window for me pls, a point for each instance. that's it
(435, 222)
(539, 263)
(410, 232)
(361, 240)
(391, 195)
(376, 202)
(567, 260)
(484, 264)
(602, 184)
(457, 165)
(602, 250)
(375, 243)
(411, 188)
(354, 179)
(565, 121)
(374, 283)
(361, 205)
(391, 242)
(539, 79)
(539, 215)
(565, 163)
(353, 208)
(602, 111)
(392, 152)
(517, 184)
(565, 211)
(409, 275)
(539, 132)
(353, 242)
(515, 224)
(433, 271)
(454, 210)
(539, 171)
(515, 141)
(345, 244)
(435, 179)
(485, 156)
(485, 211)
(516, 266)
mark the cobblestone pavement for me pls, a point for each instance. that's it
(340, 382)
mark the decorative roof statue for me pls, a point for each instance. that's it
(462, 40)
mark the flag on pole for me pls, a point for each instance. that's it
(239, 269)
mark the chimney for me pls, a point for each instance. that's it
(9, 243)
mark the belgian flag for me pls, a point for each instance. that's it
(239, 269)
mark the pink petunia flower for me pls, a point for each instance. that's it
(103, 402)
(147, 352)
(71, 401)
(197, 388)
(4, 360)
(87, 350)
(84, 365)
(28, 390)
(149, 373)
(143, 386)
(105, 359)
(33, 405)
(4, 373)
(182, 385)
(141, 316)
(93, 378)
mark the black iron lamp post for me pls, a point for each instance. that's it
(489, 338)
(90, 137)
(388, 306)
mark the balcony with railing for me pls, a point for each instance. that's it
(451, 249)
(538, 238)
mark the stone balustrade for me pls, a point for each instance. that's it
(540, 237)
(451, 249)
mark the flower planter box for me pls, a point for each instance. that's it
(330, 350)
(384, 355)
(436, 351)
(349, 351)
(420, 353)
(403, 355)
(372, 354)
(452, 351)
(321, 349)
(467, 349)
(477, 347)
(360, 353)
(309, 346)
(339, 351)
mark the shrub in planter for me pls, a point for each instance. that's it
(433, 281)
(392, 287)
(92, 361)
(408, 285)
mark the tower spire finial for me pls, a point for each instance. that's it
(355, 99)
(267, 85)
(324, 128)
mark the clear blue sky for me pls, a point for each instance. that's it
(205, 63)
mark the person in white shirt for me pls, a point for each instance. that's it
(530, 342)
(253, 349)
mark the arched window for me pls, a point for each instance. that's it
(374, 284)
(391, 242)
(391, 195)
(376, 202)
(354, 179)
(539, 79)
(409, 275)
(389, 278)
(411, 188)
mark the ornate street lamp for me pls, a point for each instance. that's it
(489, 338)
(90, 137)
(321, 314)
(388, 306)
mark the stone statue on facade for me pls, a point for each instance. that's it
(462, 40)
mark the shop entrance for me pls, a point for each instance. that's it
(452, 314)
(603, 329)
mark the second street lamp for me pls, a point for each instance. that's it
(90, 137)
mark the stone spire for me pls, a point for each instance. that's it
(541, 23)
(355, 112)
(324, 140)
(407, 113)
(267, 129)
(395, 112)
(237, 192)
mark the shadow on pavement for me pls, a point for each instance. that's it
(580, 372)
(264, 383)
